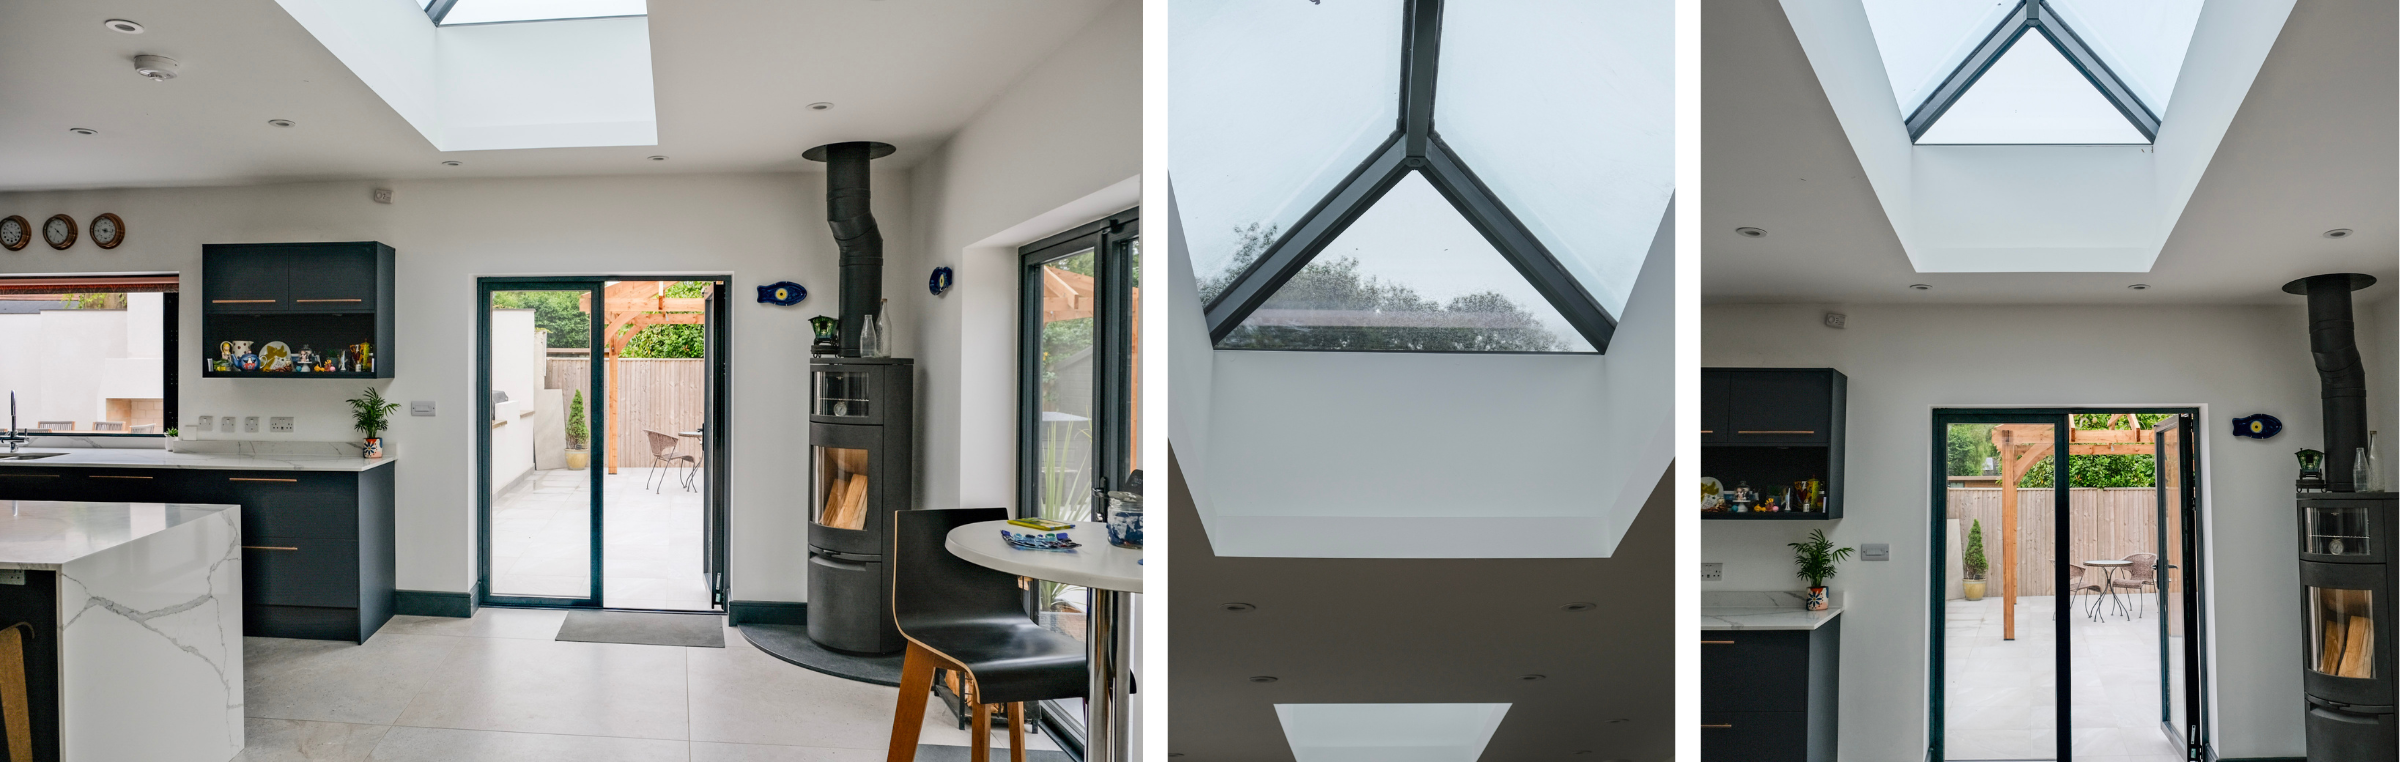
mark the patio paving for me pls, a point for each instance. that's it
(651, 546)
(2001, 700)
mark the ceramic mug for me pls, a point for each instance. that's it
(1125, 527)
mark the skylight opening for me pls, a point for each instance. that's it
(2033, 94)
(2033, 71)
(1389, 732)
(457, 12)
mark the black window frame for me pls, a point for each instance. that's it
(170, 354)
(2032, 16)
(1414, 146)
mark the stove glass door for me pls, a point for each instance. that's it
(842, 393)
(2341, 632)
(2339, 530)
(841, 498)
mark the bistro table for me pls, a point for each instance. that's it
(2108, 592)
(1114, 575)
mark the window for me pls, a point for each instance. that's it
(1297, 124)
(2033, 71)
(92, 356)
(455, 12)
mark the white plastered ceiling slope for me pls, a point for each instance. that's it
(550, 84)
(2036, 208)
(1404, 455)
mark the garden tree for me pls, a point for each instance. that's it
(2102, 470)
(674, 340)
(1478, 322)
(1973, 558)
(1970, 447)
(579, 433)
(558, 312)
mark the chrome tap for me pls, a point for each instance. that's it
(13, 438)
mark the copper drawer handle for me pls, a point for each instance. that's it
(1726, 725)
(266, 547)
(106, 476)
(33, 476)
(250, 479)
(1708, 431)
(1777, 432)
(1716, 642)
(241, 301)
(305, 301)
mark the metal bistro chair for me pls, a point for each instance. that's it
(662, 453)
(2138, 577)
(2078, 584)
(55, 425)
(108, 425)
(971, 619)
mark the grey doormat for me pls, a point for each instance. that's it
(644, 628)
(931, 753)
(790, 642)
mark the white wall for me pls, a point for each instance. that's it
(1059, 148)
(758, 228)
(1904, 361)
(515, 347)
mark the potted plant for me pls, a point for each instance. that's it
(1817, 557)
(1975, 563)
(579, 436)
(370, 413)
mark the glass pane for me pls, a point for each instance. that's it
(1133, 428)
(86, 362)
(1409, 275)
(543, 448)
(2341, 632)
(1922, 42)
(2143, 41)
(1999, 646)
(2172, 638)
(494, 11)
(842, 393)
(1589, 174)
(2116, 636)
(2033, 94)
(2338, 531)
(652, 555)
(1274, 104)
(842, 488)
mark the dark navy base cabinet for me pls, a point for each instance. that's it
(317, 546)
(1770, 695)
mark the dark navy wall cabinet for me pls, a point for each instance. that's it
(323, 296)
(1770, 427)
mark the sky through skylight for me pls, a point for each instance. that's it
(1922, 42)
(499, 11)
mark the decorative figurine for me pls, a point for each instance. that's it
(828, 335)
(2312, 471)
(940, 282)
(782, 294)
(2257, 426)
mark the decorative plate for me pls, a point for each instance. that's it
(785, 294)
(15, 232)
(940, 282)
(2257, 426)
(1712, 493)
(275, 357)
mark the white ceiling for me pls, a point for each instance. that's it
(2315, 146)
(733, 77)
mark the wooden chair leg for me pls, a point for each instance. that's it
(1016, 732)
(908, 719)
(982, 749)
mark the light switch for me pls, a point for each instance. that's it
(250, 424)
(421, 408)
(281, 424)
(1875, 551)
(1712, 571)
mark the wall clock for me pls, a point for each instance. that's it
(108, 230)
(59, 231)
(15, 232)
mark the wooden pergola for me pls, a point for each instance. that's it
(2022, 446)
(632, 306)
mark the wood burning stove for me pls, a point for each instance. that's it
(2347, 576)
(862, 464)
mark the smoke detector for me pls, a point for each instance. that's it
(157, 68)
(122, 26)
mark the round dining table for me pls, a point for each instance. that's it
(2108, 590)
(1114, 575)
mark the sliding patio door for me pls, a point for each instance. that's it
(1997, 676)
(544, 444)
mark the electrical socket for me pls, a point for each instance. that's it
(1712, 571)
(225, 423)
(281, 424)
(250, 424)
(207, 422)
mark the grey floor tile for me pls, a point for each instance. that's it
(538, 686)
(333, 681)
(301, 741)
(407, 744)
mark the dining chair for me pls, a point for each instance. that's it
(55, 425)
(108, 425)
(970, 619)
(662, 453)
(2138, 578)
(145, 428)
(2078, 584)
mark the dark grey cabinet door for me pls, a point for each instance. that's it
(1753, 736)
(1745, 671)
(1781, 406)
(1716, 422)
(245, 280)
(29, 484)
(333, 279)
(293, 571)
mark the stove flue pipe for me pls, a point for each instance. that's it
(2333, 339)
(847, 207)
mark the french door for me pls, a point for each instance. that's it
(1078, 388)
(542, 514)
(2065, 587)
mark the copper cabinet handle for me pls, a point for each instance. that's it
(266, 547)
(1708, 431)
(1777, 431)
(32, 476)
(106, 476)
(241, 301)
(1716, 642)
(250, 479)
(1726, 725)
(327, 300)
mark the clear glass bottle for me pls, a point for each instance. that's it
(2376, 481)
(2362, 477)
(870, 338)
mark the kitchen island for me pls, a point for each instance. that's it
(122, 636)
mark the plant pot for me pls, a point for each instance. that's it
(578, 460)
(1974, 589)
(1817, 600)
(373, 448)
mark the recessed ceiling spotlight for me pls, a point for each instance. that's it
(1579, 606)
(280, 122)
(83, 130)
(451, 163)
(1751, 232)
(1531, 678)
(122, 25)
(1262, 678)
(2139, 287)
(1239, 607)
(2338, 233)
(658, 158)
(1920, 286)
(819, 106)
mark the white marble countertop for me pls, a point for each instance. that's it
(1096, 564)
(1772, 610)
(218, 454)
(46, 535)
